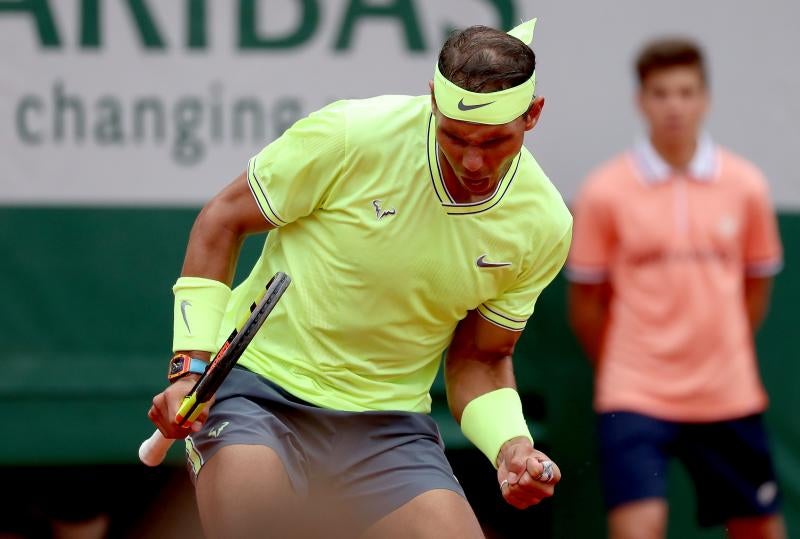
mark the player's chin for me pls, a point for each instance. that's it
(480, 189)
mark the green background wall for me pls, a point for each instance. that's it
(85, 326)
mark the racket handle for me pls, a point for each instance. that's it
(154, 449)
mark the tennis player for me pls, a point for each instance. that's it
(410, 226)
(675, 247)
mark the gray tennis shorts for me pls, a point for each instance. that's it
(372, 461)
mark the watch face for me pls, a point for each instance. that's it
(176, 366)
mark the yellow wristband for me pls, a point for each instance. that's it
(199, 307)
(492, 419)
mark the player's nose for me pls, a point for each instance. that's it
(472, 160)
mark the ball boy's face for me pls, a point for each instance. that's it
(674, 102)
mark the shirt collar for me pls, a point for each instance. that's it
(702, 167)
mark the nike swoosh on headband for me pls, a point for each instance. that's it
(464, 107)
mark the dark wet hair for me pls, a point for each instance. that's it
(481, 59)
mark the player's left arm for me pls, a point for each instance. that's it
(478, 363)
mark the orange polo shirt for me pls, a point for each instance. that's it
(675, 248)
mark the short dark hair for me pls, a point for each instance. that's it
(665, 53)
(481, 59)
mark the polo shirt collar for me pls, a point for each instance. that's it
(702, 167)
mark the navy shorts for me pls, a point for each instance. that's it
(729, 463)
(374, 461)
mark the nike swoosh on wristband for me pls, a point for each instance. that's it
(482, 263)
(184, 304)
(462, 106)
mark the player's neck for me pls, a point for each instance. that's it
(676, 153)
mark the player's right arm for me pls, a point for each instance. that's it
(220, 230)
(214, 244)
(289, 179)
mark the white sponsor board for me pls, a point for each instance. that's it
(145, 102)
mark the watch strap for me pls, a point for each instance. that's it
(183, 364)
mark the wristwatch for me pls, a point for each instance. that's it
(182, 364)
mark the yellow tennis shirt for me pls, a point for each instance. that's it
(383, 263)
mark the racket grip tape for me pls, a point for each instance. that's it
(189, 410)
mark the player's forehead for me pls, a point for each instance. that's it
(474, 132)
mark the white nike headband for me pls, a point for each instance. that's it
(493, 108)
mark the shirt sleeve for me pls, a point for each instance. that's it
(512, 309)
(295, 174)
(593, 238)
(763, 253)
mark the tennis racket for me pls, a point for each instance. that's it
(154, 449)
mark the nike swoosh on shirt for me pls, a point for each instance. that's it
(464, 107)
(184, 304)
(483, 263)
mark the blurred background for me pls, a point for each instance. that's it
(118, 119)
